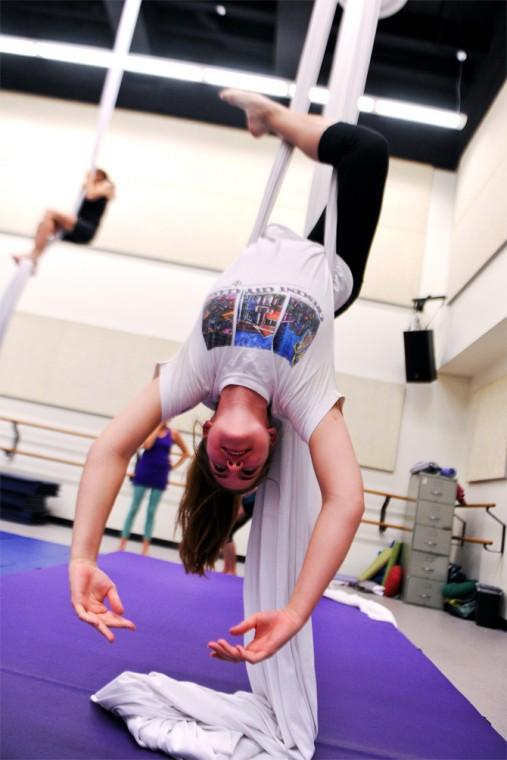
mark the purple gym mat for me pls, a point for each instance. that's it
(379, 697)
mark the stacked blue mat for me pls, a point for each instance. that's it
(23, 499)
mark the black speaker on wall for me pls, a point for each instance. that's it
(419, 356)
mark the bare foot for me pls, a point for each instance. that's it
(257, 108)
(19, 257)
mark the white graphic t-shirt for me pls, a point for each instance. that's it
(267, 325)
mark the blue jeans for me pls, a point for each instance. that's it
(153, 503)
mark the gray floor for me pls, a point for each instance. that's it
(474, 659)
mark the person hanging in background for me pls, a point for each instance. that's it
(80, 228)
(152, 474)
(244, 514)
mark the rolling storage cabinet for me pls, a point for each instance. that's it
(427, 558)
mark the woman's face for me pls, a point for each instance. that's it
(237, 453)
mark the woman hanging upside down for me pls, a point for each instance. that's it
(261, 351)
(80, 229)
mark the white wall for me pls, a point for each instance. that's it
(480, 223)
(476, 310)
(473, 327)
(187, 192)
(396, 259)
(489, 567)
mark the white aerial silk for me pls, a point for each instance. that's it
(279, 718)
(13, 292)
(108, 98)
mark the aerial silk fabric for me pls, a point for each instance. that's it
(279, 718)
(13, 292)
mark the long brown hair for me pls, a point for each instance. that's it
(207, 513)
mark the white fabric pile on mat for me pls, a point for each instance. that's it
(374, 610)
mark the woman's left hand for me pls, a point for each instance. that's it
(272, 630)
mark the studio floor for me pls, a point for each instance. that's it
(474, 659)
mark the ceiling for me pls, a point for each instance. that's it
(414, 58)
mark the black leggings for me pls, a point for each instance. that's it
(360, 157)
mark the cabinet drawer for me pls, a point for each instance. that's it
(424, 592)
(431, 540)
(432, 513)
(437, 489)
(430, 566)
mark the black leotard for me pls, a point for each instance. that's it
(88, 219)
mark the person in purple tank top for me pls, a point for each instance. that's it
(152, 474)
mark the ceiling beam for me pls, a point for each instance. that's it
(292, 21)
(140, 40)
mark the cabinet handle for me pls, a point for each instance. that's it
(429, 569)
(436, 493)
(424, 596)
(434, 518)
(430, 543)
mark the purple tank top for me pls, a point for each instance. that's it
(152, 469)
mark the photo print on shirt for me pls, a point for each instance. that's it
(297, 331)
(259, 315)
(283, 320)
(218, 320)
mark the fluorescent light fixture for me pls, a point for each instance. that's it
(56, 51)
(319, 95)
(82, 54)
(163, 67)
(17, 45)
(437, 117)
(246, 81)
(366, 103)
(221, 77)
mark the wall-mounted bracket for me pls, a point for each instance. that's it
(15, 440)
(383, 510)
(502, 539)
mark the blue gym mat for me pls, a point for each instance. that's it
(18, 554)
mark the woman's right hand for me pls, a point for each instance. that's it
(89, 588)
